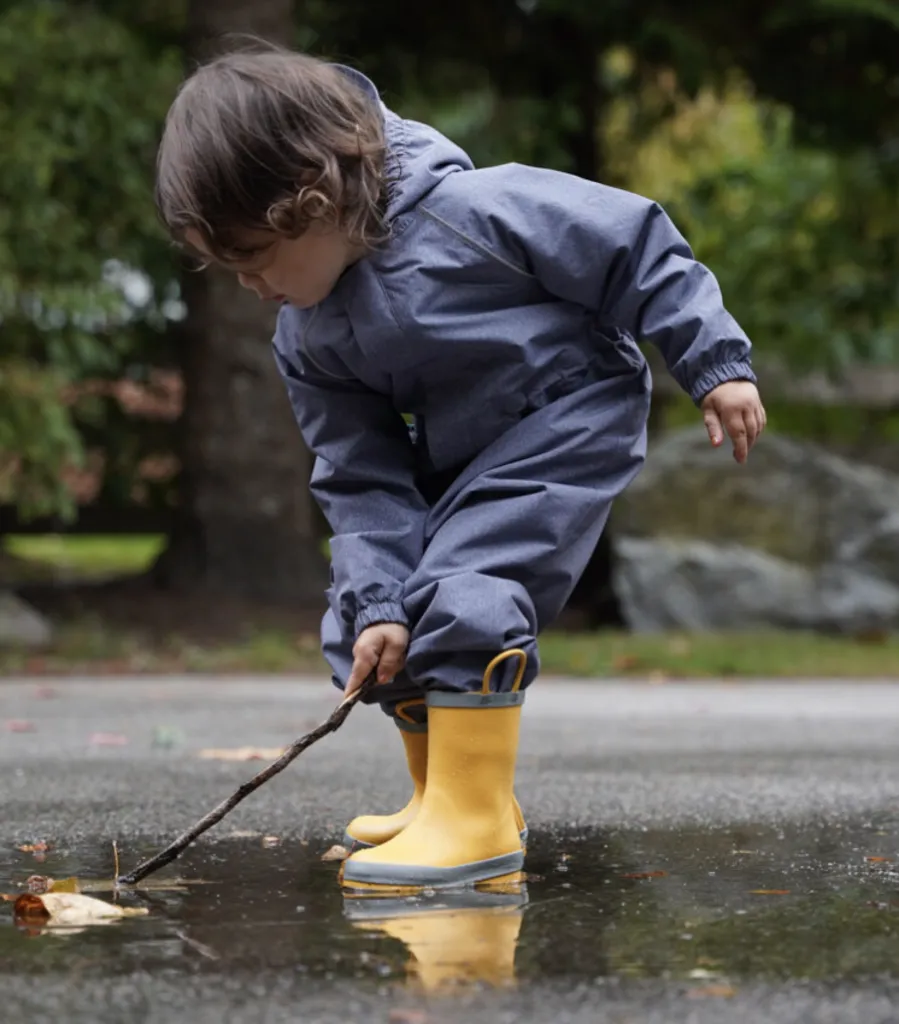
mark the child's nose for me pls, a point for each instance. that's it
(246, 282)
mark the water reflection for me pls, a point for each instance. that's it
(818, 900)
(453, 942)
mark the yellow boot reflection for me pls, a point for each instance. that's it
(455, 940)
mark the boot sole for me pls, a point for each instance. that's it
(494, 870)
(359, 844)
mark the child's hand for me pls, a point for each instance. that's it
(737, 408)
(382, 645)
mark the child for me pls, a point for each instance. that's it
(500, 309)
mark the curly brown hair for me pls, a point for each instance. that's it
(272, 140)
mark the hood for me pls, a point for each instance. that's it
(419, 157)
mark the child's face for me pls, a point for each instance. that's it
(301, 270)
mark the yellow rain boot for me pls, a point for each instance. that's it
(452, 946)
(465, 832)
(373, 829)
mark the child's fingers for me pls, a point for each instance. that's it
(713, 426)
(393, 657)
(738, 432)
(365, 658)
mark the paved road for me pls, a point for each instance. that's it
(701, 853)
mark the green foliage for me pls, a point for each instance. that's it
(805, 241)
(811, 272)
(37, 438)
(80, 106)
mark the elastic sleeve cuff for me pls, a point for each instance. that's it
(381, 611)
(716, 375)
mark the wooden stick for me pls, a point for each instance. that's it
(166, 856)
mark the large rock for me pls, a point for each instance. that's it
(792, 500)
(694, 585)
(20, 625)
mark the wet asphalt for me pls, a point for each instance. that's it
(700, 853)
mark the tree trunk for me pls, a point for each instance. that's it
(245, 525)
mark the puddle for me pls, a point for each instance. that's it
(729, 905)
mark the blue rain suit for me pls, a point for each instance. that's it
(503, 315)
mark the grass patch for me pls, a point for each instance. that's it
(720, 655)
(81, 556)
(88, 646)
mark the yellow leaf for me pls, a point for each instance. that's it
(241, 753)
(407, 1017)
(68, 910)
(720, 991)
(40, 847)
(39, 884)
(770, 892)
(336, 853)
(65, 885)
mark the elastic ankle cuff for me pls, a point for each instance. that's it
(410, 726)
(411, 715)
(447, 699)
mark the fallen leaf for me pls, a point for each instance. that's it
(243, 833)
(407, 1017)
(336, 853)
(626, 663)
(719, 991)
(269, 841)
(646, 874)
(241, 753)
(879, 860)
(657, 677)
(770, 892)
(39, 847)
(19, 725)
(68, 910)
(108, 739)
(65, 885)
(39, 884)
